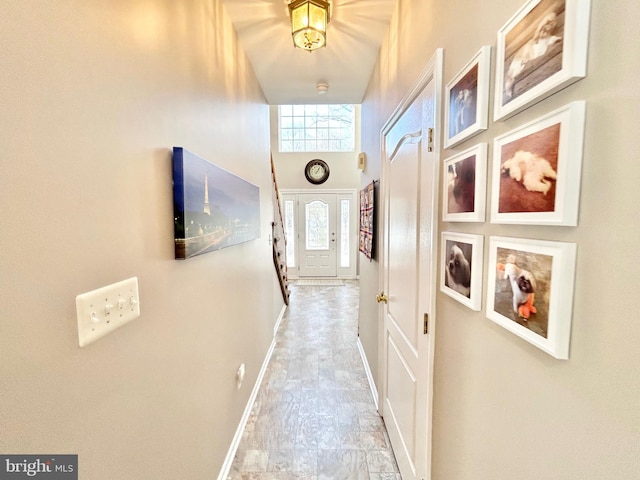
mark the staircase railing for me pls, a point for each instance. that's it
(279, 241)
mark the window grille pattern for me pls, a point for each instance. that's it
(317, 128)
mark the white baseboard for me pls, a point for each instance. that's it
(235, 443)
(372, 384)
(279, 320)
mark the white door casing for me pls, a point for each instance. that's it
(345, 206)
(408, 276)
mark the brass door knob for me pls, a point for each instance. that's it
(382, 298)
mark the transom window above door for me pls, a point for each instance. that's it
(316, 128)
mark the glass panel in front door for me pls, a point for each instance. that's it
(317, 225)
(290, 232)
(344, 233)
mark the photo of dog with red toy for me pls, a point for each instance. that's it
(523, 284)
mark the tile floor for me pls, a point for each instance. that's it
(314, 417)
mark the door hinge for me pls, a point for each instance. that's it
(430, 140)
(426, 323)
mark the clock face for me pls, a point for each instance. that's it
(317, 171)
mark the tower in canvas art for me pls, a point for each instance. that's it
(207, 208)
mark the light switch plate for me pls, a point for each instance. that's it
(103, 310)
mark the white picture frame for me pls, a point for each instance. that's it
(461, 268)
(465, 185)
(537, 168)
(540, 50)
(467, 99)
(549, 310)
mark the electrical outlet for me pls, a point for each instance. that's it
(103, 310)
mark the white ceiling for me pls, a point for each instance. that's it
(289, 75)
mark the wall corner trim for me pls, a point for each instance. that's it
(279, 320)
(372, 384)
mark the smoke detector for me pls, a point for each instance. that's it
(322, 88)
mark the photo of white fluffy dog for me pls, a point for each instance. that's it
(533, 171)
(536, 47)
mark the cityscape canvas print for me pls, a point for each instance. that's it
(213, 208)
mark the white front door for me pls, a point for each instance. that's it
(410, 183)
(317, 235)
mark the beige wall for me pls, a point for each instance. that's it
(372, 123)
(504, 409)
(94, 94)
(343, 166)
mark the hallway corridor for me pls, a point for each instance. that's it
(314, 416)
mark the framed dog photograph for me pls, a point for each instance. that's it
(530, 290)
(467, 99)
(540, 50)
(461, 268)
(465, 181)
(537, 169)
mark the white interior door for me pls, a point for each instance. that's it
(410, 176)
(317, 235)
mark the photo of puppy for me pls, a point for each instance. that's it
(462, 185)
(463, 103)
(461, 268)
(530, 290)
(534, 44)
(522, 288)
(537, 46)
(532, 170)
(527, 171)
(458, 267)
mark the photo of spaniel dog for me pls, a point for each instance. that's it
(462, 186)
(533, 171)
(458, 268)
(536, 47)
(464, 102)
(523, 286)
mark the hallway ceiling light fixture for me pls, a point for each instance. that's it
(309, 19)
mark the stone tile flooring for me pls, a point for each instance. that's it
(314, 417)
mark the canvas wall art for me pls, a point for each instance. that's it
(213, 208)
(366, 241)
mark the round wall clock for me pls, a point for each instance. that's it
(317, 171)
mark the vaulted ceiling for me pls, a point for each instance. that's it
(289, 75)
